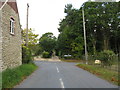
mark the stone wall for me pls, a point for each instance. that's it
(0, 43)
(11, 44)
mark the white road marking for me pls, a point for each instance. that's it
(57, 69)
(61, 82)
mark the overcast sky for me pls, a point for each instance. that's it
(45, 15)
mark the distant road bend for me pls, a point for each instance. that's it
(57, 74)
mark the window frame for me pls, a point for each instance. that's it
(12, 29)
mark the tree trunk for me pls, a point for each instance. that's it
(118, 52)
(94, 47)
(105, 43)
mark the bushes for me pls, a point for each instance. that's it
(102, 72)
(26, 55)
(0, 80)
(67, 56)
(46, 55)
(11, 77)
(106, 56)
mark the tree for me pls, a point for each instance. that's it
(48, 42)
(70, 40)
(32, 40)
(102, 29)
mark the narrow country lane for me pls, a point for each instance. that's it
(57, 74)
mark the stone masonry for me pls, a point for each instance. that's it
(10, 44)
(0, 44)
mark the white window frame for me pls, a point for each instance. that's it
(12, 26)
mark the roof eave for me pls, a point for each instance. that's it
(2, 4)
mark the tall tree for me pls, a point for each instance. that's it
(70, 38)
(102, 28)
(32, 40)
(47, 42)
(100, 17)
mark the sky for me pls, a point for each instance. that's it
(45, 15)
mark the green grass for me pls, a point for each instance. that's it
(0, 80)
(111, 76)
(12, 77)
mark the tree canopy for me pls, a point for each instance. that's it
(32, 40)
(102, 21)
(47, 42)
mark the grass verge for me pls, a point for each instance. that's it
(65, 60)
(12, 77)
(111, 76)
(0, 80)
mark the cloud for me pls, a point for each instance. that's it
(44, 15)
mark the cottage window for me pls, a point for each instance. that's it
(11, 26)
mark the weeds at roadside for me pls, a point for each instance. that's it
(111, 76)
(12, 77)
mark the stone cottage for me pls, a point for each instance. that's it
(10, 35)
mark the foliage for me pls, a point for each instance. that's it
(107, 57)
(68, 57)
(102, 21)
(0, 80)
(102, 29)
(37, 50)
(12, 77)
(32, 37)
(102, 72)
(32, 40)
(26, 55)
(46, 55)
(70, 40)
(47, 42)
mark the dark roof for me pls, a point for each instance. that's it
(1, 3)
(13, 5)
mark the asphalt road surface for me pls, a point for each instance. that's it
(62, 75)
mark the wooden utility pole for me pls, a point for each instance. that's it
(86, 55)
(27, 24)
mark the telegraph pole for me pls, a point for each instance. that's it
(86, 55)
(27, 25)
